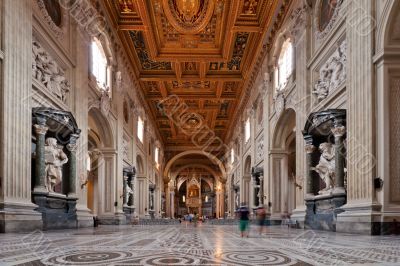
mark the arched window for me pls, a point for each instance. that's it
(99, 65)
(156, 156)
(247, 130)
(284, 67)
(232, 155)
(140, 129)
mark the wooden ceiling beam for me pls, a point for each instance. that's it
(247, 28)
(128, 27)
(167, 77)
(194, 97)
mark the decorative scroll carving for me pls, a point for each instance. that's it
(125, 145)
(105, 103)
(279, 103)
(46, 70)
(299, 18)
(260, 150)
(332, 74)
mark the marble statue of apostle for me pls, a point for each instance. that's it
(55, 158)
(128, 192)
(326, 166)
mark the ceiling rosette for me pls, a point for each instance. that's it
(188, 16)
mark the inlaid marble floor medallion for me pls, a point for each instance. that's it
(203, 245)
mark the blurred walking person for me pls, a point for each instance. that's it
(244, 221)
(261, 218)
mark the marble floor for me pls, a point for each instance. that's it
(202, 245)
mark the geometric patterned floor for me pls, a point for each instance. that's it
(188, 245)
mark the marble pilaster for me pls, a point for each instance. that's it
(16, 209)
(361, 210)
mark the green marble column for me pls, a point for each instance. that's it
(40, 173)
(340, 159)
(125, 198)
(309, 172)
(72, 146)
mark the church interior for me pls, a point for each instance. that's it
(142, 132)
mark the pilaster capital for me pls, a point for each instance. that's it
(40, 129)
(310, 148)
(339, 131)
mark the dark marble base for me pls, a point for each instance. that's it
(386, 228)
(116, 219)
(58, 211)
(130, 215)
(322, 211)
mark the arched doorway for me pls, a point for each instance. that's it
(142, 192)
(245, 193)
(283, 166)
(195, 193)
(210, 165)
(388, 123)
(101, 185)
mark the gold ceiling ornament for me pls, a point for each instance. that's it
(188, 16)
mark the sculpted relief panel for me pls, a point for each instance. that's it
(332, 74)
(260, 149)
(46, 70)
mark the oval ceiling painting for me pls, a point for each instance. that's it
(188, 16)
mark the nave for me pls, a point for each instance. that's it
(184, 244)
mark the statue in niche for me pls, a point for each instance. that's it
(151, 207)
(326, 166)
(128, 192)
(55, 158)
(237, 200)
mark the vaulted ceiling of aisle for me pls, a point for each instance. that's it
(203, 51)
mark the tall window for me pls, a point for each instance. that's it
(99, 65)
(232, 155)
(140, 129)
(88, 162)
(285, 65)
(156, 154)
(247, 130)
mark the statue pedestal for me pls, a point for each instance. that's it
(152, 214)
(322, 211)
(130, 214)
(58, 211)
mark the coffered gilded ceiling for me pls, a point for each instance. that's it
(199, 50)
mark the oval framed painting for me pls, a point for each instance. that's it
(326, 12)
(53, 9)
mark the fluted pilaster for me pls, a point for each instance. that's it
(16, 125)
(360, 92)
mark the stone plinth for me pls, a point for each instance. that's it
(130, 214)
(58, 211)
(322, 211)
